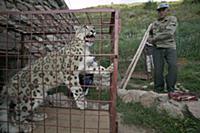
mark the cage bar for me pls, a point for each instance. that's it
(26, 37)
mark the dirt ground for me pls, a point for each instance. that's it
(62, 120)
(133, 129)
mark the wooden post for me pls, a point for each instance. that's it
(135, 59)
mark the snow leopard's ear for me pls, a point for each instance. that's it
(85, 26)
(77, 28)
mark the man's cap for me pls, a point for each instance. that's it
(162, 5)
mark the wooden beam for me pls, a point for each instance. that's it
(135, 59)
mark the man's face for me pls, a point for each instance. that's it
(162, 13)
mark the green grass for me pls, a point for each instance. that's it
(189, 76)
(98, 94)
(133, 113)
(134, 21)
(136, 18)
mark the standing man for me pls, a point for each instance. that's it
(162, 36)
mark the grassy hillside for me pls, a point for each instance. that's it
(135, 20)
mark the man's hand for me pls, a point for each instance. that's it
(150, 40)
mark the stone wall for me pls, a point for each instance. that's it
(31, 5)
(19, 27)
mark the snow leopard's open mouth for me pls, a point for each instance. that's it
(90, 38)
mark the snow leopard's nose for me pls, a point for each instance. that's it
(93, 31)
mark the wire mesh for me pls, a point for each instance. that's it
(27, 40)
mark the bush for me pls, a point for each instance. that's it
(150, 5)
(191, 1)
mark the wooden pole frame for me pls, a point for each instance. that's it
(135, 59)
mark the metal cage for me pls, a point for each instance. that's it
(27, 36)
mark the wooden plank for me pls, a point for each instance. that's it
(135, 59)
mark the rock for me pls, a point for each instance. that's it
(21, 21)
(2, 5)
(133, 96)
(151, 84)
(176, 109)
(9, 5)
(53, 4)
(173, 110)
(194, 108)
(97, 106)
(162, 97)
(122, 92)
(178, 104)
(144, 87)
(133, 85)
(149, 99)
(128, 98)
(22, 6)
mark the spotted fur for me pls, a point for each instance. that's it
(26, 90)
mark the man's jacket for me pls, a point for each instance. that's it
(163, 32)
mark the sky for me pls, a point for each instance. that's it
(78, 4)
